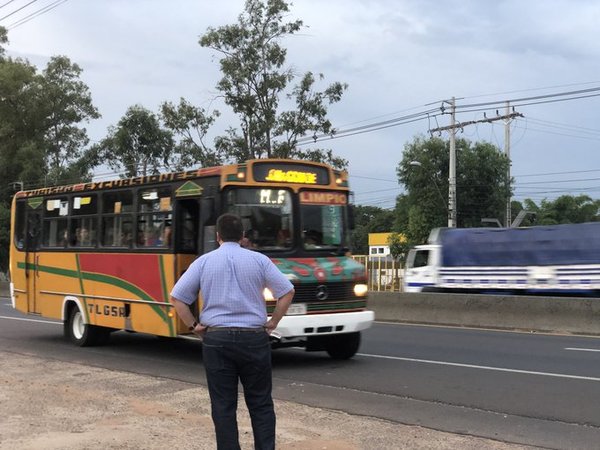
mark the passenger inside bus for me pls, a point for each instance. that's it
(65, 238)
(284, 238)
(126, 238)
(312, 238)
(82, 237)
(250, 239)
(165, 237)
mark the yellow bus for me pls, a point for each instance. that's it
(103, 256)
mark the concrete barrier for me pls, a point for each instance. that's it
(543, 314)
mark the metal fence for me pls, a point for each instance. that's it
(383, 273)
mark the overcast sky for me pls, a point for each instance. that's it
(397, 56)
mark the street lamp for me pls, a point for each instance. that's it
(419, 164)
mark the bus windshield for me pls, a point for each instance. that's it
(266, 215)
(323, 226)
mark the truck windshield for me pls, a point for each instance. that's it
(266, 215)
(417, 258)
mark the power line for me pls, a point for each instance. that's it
(381, 190)
(7, 3)
(37, 13)
(389, 114)
(434, 112)
(558, 181)
(580, 132)
(370, 127)
(532, 89)
(563, 125)
(556, 133)
(473, 122)
(19, 9)
(537, 97)
(371, 178)
(557, 173)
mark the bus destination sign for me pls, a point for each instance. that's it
(290, 173)
(323, 198)
(291, 176)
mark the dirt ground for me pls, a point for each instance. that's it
(47, 404)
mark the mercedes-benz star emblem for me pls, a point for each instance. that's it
(322, 293)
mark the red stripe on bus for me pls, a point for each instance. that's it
(142, 271)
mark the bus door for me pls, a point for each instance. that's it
(187, 233)
(195, 230)
(32, 245)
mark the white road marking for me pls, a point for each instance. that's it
(473, 366)
(30, 320)
(583, 349)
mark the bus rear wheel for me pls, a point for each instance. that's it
(83, 334)
(342, 346)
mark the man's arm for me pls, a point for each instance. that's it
(283, 303)
(185, 314)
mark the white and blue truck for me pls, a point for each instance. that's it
(556, 259)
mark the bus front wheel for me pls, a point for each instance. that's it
(83, 334)
(342, 346)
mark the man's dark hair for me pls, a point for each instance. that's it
(229, 227)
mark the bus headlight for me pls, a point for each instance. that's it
(268, 295)
(360, 290)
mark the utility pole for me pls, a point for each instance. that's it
(452, 168)
(507, 151)
(452, 213)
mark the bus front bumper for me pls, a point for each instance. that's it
(321, 324)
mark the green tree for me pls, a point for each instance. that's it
(565, 209)
(68, 103)
(482, 187)
(22, 158)
(3, 41)
(399, 247)
(138, 145)
(418, 227)
(369, 219)
(190, 125)
(40, 139)
(254, 79)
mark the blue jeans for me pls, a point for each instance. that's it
(230, 356)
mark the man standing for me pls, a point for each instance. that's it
(235, 330)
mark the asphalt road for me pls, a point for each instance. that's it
(516, 387)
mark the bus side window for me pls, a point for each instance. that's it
(187, 226)
(54, 229)
(117, 222)
(154, 217)
(55, 233)
(20, 226)
(84, 220)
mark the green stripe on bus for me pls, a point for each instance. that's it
(163, 283)
(101, 278)
(86, 312)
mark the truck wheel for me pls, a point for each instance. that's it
(83, 334)
(343, 346)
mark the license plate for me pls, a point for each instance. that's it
(296, 309)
